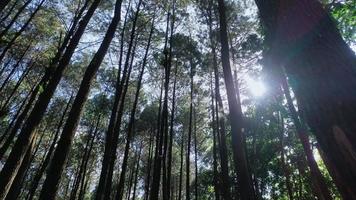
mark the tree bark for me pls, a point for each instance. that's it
(304, 40)
(321, 189)
(238, 146)
(60, 155)
(27, 133)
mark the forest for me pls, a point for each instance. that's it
(177, 99)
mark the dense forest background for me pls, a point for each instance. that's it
(178, 99)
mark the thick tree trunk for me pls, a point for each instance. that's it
(38, 175)
(304, 40)
(60, 155)
(27, 133)
(238, 146)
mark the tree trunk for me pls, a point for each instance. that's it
(304, 40)
(238, 146)
(18, 33)
(3, 4)
(109, 134)
(321, 189)
(221, 132)
(136, 172)
(27, 133)
(163, 123)
(13, 20)
(38, 175)
(60, 155)
(132, 120)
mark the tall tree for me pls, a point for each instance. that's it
(321, 69)
(51, 183)
(238, 146)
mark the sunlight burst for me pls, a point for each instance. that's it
(256, 87)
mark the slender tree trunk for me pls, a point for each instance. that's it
(171, 132)
(38, 175)
(110, 132)
(3, 4)
(157, 167)
(221, 132)
(18, 33)
(238, 146)
(137, 172)
(181, 168)
(284, 165)
(13, 20)
(190, 129)
(60, 155)
(196, 155)
(14, 68)
(322, 191)
(27, 133)
(148, 167)
(9, 12)
(215, 126)
(88, 147)
(132, 120)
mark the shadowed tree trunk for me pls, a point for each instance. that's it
(17, 154)
(13, 20)
(303, 39)
(190, 129)
(157, 166)
(321, 189)
(3, 4)
(109, 136)
(246, 189)
(19, 32)
(38, 175)
(60, 155)
(132, 120)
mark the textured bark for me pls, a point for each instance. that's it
(303, 39)
(60, 155)
(246, 189)
(16, 185)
